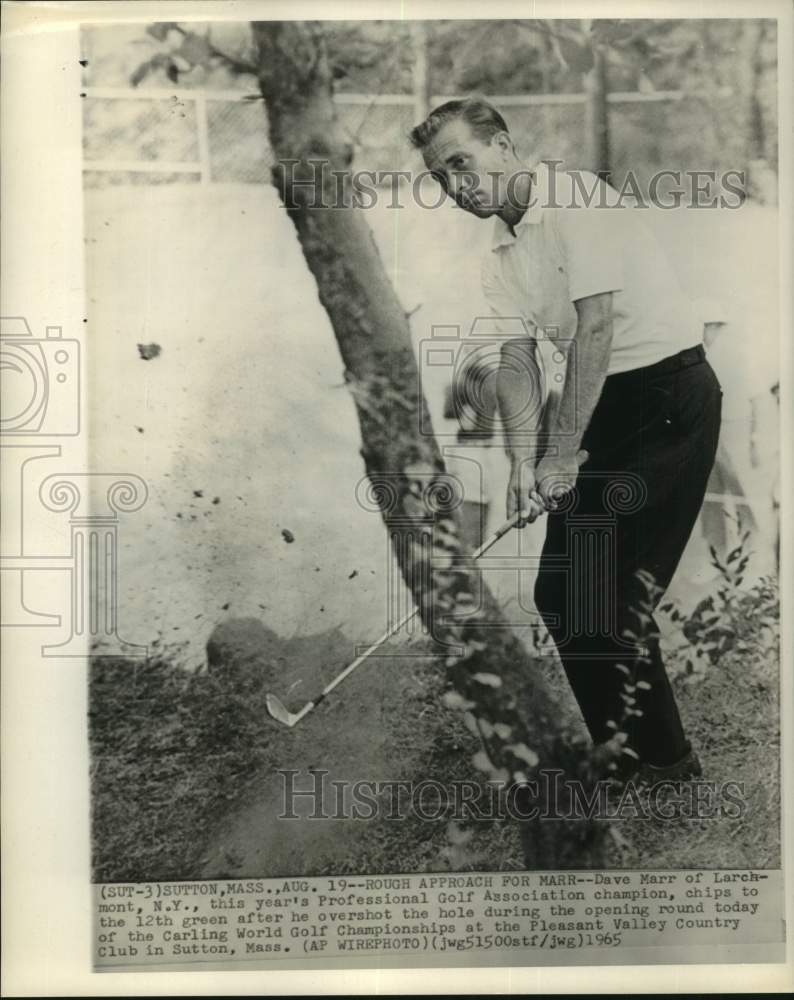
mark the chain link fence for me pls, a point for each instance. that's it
(188, 136)
(217, 136)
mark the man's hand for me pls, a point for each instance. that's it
(522, 494)
(556, 476)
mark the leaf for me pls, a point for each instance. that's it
(471, 723)
(619, 839)
(715, 558)
(482, 761)
(452, 699)
(475, 646)
(160, 61)
(489, 680)
(456, 835)
(141, 72)
(160, 29)
(523, 752)
(195, 50)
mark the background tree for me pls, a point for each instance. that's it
(726, 66)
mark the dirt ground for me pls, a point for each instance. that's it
(371, 733)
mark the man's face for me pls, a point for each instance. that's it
(473, 172)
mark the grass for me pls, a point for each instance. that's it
(731, 709)
(177, 756)
(168, 750)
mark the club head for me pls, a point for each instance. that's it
(279, 711)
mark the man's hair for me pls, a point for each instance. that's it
(482, 118)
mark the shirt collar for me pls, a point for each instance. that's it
(538, 197)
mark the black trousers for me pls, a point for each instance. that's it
(652, 439)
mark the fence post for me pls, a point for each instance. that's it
(421, 80)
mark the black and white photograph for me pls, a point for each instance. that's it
(426, 563)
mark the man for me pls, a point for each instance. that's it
(637, 396)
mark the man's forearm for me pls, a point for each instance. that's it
(519, 397)
(588, 362)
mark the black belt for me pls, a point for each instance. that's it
(684, 359)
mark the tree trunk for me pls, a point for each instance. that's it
(487, 667)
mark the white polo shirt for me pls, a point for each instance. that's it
(566, 248)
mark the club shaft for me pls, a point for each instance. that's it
(494, 538)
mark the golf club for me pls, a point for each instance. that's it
(278, 709)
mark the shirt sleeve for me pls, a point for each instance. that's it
(506, 320)
(592, 238)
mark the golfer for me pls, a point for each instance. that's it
(620, 455)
